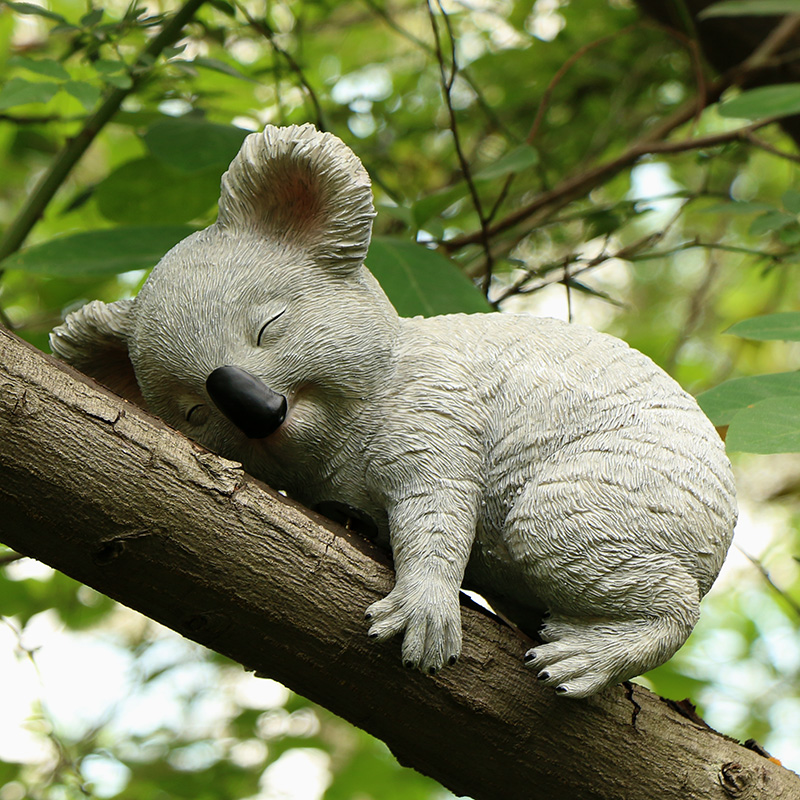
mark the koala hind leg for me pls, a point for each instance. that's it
(583, 654)
(615, 566)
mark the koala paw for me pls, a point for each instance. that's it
(431, 620)
(580, 658)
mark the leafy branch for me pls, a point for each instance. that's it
(627, 253)
(73, 150)
(652, 143)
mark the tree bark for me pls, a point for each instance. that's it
(100, 490)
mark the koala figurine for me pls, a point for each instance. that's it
(549, 467)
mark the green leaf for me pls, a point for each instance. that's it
(113, 72)
(766, 101)
(220, 66)
(434, 204)
(190, 144)
(791, 201)
(121, 81)
(736, 207)
(771, 426)
(107, 66)
(64, 28)
(750, 8)
(86, 94)
(784, 326)
(723, 402)
(19, 92)
(420, 281)
(30, 8)
(770, 222)
(225, 7)
(147, 192)
(602, 222)
(92, 18)
(585, 289)
(48, 67)
(100, 252)
(518, 160)
(790, 236)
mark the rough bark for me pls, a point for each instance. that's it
(106, 493)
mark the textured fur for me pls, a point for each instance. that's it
(549, 466)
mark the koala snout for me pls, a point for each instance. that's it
(246, 401)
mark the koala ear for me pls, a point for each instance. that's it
(304, 190)
(95, 340)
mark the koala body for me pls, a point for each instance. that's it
(548, 466)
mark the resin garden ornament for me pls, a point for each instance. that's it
(551, 468)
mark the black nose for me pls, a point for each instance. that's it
(246, 401)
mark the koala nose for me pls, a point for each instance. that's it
(246, 401)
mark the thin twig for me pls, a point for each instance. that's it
(10, 558)
(791, 602)
(758, 142)
(262, 27)
(765, 52)
(562, 71)
(73, 150)
(725, 248)
(698, 305)
(567, 286)
(652, 142)
(65, 760)
(579, 185)
(447, 83)
(545, 101)
(627, 253)
(465, 75)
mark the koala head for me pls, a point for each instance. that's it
(267, 323)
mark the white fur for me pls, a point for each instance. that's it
(549, 466)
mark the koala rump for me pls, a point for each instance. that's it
(549, 466)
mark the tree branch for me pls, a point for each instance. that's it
(652, 142)
(104, 492)
(447, 92)
(572, 188)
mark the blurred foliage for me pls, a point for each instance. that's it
(512, 178)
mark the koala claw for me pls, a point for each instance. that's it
(432, 628)
(580, 658)
(577, 676)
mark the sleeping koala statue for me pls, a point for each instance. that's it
(551, 468)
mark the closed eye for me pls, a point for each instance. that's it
(266, 324)
(194, 415)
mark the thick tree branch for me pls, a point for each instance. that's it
(102, 491)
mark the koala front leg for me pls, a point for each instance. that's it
(432, 531)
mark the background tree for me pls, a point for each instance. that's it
(576, 159)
